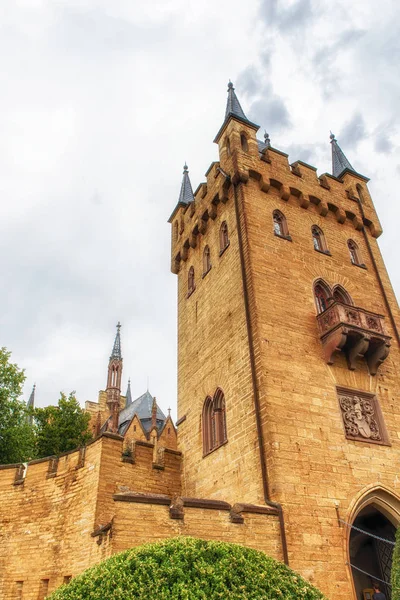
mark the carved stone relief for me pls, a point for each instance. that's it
(361, 416)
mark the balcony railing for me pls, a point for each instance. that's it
(355, 331)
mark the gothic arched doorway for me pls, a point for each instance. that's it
(371, 548)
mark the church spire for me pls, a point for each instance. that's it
(116, 351)
(186, 194)
(114, 382)
(339, 160)
(31, 404)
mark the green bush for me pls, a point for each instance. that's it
(187, 568)
(396, 568)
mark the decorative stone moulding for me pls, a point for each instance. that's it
(356, 332)
(362, 417)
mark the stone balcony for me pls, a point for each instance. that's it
(356, 332)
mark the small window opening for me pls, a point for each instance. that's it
(319, 239)
(228, 147)
(191, 284)
(244, 143)
(223, 237)
(214, 422)
(341, 295)
(206, 260)
(280, 224)
(355, 255)
(322, 295)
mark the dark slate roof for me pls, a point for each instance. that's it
(186, 193)
(116, 351)
(339, 160)
(142, 407)
(233, 105)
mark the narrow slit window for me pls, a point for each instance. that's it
(354, 251)
(244, 143)
(191, 283)
(319, 239)
(206, 260)
(280, 224)
(223, 237)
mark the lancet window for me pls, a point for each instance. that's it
(191, 283)
(319, 239)
(214, 422)
(322, 295)
(223, 237)
(206, 260)
(280, 224)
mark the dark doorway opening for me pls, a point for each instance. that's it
(369, 554)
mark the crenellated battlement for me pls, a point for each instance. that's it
(297, 183)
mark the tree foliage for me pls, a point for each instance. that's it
(189, 569)
(396, 568)
(16, 435)
(61, 428)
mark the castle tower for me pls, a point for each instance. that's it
(288, 354)
(113, 389)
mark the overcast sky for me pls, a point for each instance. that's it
(102, 102)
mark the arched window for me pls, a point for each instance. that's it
(223, 237)
(355, 256)
(228, 146)
(322, 295)
(319, 239)
(341, 295)
(214, 422)
(243, 142)
(206, 260)
(280, 224)
(191, 283)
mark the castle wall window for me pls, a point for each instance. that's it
(228, 147)
(214, 422)
(322, 295)
(244, 143)
(206, 260)
(355, 255)
(319, 240)
(341, 295)
(191, 283)
(43, 589)
(280, 224)
(223, 237)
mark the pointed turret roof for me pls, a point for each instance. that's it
(233, 105)
(234, 110)
(31, 401)
(116, 351)
(128, 395)
(186, 194)
(339, 160)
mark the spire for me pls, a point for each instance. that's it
(116, 351)
(128, 394)
(339, 160)
(31, 401)
(186, 194)
(233, 105)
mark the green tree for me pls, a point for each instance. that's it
(16, 435)
(61, 428)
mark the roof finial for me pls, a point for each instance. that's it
(169, 412)
(185, 168)
(267, 141)
(230, 86)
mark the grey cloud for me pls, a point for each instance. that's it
(275, 14)
(383, 144)
(353, 132)
(248, 82)
(270, 111)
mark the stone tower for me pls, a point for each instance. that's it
(113, 389)
(288, 353)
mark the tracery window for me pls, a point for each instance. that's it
(206, 260)
(191, 283)
(355, 255)
(244, 143)
(341, 295)
(322, 295)
(319, 239)
(214, 422)
(280, 224)
(223, 237)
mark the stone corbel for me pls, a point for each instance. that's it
(202, 225)
(304, 201)
(334, 342)
(357, 350)
(323, 209)
(193, 240)
(284, 192)
(340, 215)
(377, 353)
